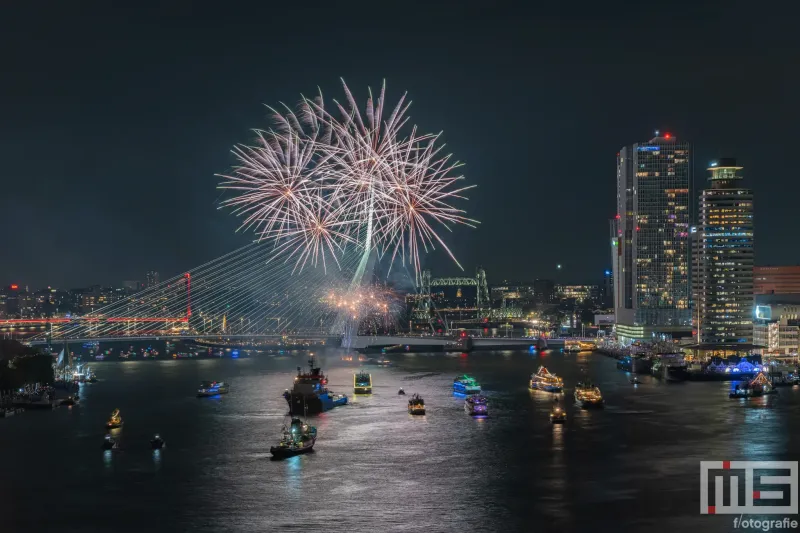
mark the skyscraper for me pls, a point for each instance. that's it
(723, 282)
(650, 239)
(152, 278)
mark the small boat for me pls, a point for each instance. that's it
(212, 388)
(476, 405)
(109, 443)
(758, 386)
(157, 442)
(416, 405)
(558, 416)
(70, 400)
(297, 439)
(466, 385)
(401, 392)
(362, 383)
(588, 395)
(544, 380)
(115, 421)
(635, 380)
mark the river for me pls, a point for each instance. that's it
(633, 466)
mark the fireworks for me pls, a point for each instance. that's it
(321, 181)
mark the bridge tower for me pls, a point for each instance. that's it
(483, 300)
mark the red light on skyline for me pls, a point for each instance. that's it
(637, 228)
(617, 216)
(667, 135)
(14, 287)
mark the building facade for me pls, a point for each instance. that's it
(723, 279)
(650, 239)
(152, 279)
(776, 280)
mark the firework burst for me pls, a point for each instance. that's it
(320, 181)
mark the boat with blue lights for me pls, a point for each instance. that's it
(212, 388)
(588, 395)
(545, 381)
(758, 386)
(297, 439)
(362, 383)
(466, 385)
(476, 405)
(310, 394)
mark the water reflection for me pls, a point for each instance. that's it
(107, 459)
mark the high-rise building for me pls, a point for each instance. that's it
(152, 278)
(543, 291)
(776, 280)
(723, 281)
(607, 292)
(650, 239)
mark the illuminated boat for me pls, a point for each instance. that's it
(310, 394)
(558, 416)
(476, 405)
(109, 443)
(758, 386)
(297, 439)
(362, 383)
(466, 385)
(544, 380)
(115, 421)
(157, 442)
(212, 388)
(416, 405)
(588, 395)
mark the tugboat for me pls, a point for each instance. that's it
(109, 443)
(401, 392)
(157, 442)
(297, 439)
(212, 388)
(416, 405)
(544, 380)
(588, 395)
(115, 421)
(362, 383)
(466, 385)
(476, 405)
(558, 416)
(310, 394)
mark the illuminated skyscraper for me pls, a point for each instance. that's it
(724, 276)
(152, 278)
(650, 239)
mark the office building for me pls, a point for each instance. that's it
(776, 280)
(723, 281)
(543, 291)
(650, 240)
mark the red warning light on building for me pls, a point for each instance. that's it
(14, 287)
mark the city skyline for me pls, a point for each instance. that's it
(129, 183)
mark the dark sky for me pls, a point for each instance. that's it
(114, 120)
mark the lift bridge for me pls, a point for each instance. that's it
(424, 303)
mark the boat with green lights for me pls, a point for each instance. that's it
(466, 385)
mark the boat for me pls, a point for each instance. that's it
(416, 405)
(212, 388)
(635, 381)
(758, 386)
(310, 394)
(401, 392)
(157, 442)
(109, 443)
(297, 439)
(558, 416)
(362, 383)
(70, 400)
(379, 362)
(466, 385)
(544, 380)
(573, 348)
(476, 405)
(115, 421)
(588, 395)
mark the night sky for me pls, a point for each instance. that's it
(114, 121)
